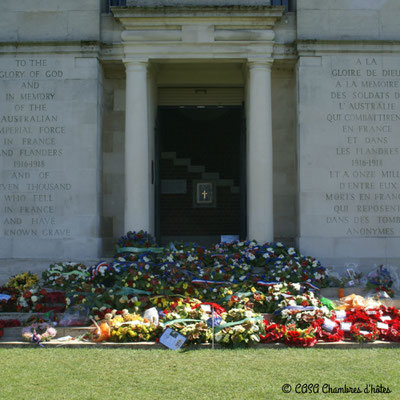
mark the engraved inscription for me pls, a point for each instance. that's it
(33, 136)
(364, 121)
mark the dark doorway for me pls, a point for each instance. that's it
(200, 173)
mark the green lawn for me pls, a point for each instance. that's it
(201, 374)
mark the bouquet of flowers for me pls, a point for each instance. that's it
(381, 280)
(128, 327)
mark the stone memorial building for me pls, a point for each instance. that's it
(191, 119)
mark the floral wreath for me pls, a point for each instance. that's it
(393, 333)
(38, 332)
(273, 332)
(357, 328)
(300, 337)
(321, 334)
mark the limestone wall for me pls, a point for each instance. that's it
(349, 131)
(49, 20)
(348, 19)
(50, 130)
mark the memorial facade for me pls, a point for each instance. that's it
(196, 119)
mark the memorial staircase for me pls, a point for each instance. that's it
(200, 169)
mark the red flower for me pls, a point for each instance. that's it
(43, 292)
(27, 294)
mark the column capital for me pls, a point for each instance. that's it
(136, 64)
(259, 64)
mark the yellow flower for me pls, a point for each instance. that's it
(253, 289)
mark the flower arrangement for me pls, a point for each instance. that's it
(38, 332)
(239, 326)
(301, 310)
(195, 333)
(381, 280)
(64, 275)
(273, 332)
(300, 337)
(134, 243)
(364, 332)
(22, 282)
(9, 302)
(40, 300)
(133, 328)
(322, 332)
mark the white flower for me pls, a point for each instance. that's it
(34, 299)
(291, 251)
(255, 338)
(218, 336)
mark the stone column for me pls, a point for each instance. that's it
(260, 216)
(137, 160)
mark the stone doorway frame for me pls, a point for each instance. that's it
(228, 34)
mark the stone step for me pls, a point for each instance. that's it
(14, 334)
(196, 168)
(182, 162)
(152, 345)
(168, 155)
(210, 175)
(21, 316)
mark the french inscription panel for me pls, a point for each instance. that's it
(41, 177)
(350, 147)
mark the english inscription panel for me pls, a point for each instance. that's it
(45, 181)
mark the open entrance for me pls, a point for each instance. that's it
(200, 185)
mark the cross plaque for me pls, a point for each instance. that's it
(204, 193)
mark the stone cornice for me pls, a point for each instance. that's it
(320, 47)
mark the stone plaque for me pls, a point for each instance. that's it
(350, 155)
(173, 186)
(48, 157)
(204, 194)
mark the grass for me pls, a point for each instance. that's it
(202, 374)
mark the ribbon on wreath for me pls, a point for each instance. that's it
(139, 249)
(228, 324)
